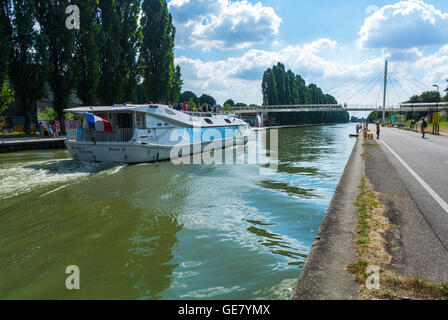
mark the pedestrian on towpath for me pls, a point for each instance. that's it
(424, 126)
(378, 130)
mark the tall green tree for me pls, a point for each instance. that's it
(284, 87)
(51, 17)
(87, 52)
(28, 64)
(176, 87)
(280, 79)
(269, 88)
(130, 42)
(111, 83)
(5, 38)
(6, 94)
(157, 50)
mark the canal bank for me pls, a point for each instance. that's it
(324, 276)
(398, 240)
(24, 144)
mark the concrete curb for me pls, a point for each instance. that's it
(324, 276)
(36, 144)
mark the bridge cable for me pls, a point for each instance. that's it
(412, 82)
(376, 79)
(356, 85)
(405, 91)
(394, 89)
(343, 85)
(371, 89)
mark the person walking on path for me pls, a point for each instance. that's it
(378, 130)
(424, 126)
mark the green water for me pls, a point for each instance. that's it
(161, 231)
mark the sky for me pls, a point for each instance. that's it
(224, 46)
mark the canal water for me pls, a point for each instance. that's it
(165, 231)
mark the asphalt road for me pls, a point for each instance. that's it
(422, 165)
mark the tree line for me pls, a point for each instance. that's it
(281, 87)
(187, 96)
(121, 46)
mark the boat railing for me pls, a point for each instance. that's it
(88, 135)
(210, 114)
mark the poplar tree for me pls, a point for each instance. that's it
(28, 60)
(111, 82)
(51, 17)
(130, 42)
(87, 52)
(279, 72)
(157, 50)
(280, 87)
(5, 39)
(6, 94)
(176, 87)
(269, 88)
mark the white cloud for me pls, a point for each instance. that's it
(404, 25)
(371, 9)
(240, 77)
(434, 67)
(407, 55)
(222, 24)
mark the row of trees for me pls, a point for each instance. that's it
(280, 87)
(119, 44)
(425, 97)
(207, 99)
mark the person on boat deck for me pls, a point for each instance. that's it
(199, 108)
(185, 107)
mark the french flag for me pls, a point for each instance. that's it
(97, 123)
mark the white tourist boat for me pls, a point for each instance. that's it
(148, 133)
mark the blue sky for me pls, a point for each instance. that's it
(223, 46)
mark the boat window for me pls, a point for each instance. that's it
(227, 120)
(208, 121)
(124, 120)
(171, 112)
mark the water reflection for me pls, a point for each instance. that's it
(151, 250)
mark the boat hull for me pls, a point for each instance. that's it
(142, 153)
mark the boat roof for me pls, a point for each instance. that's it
(116, 108)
